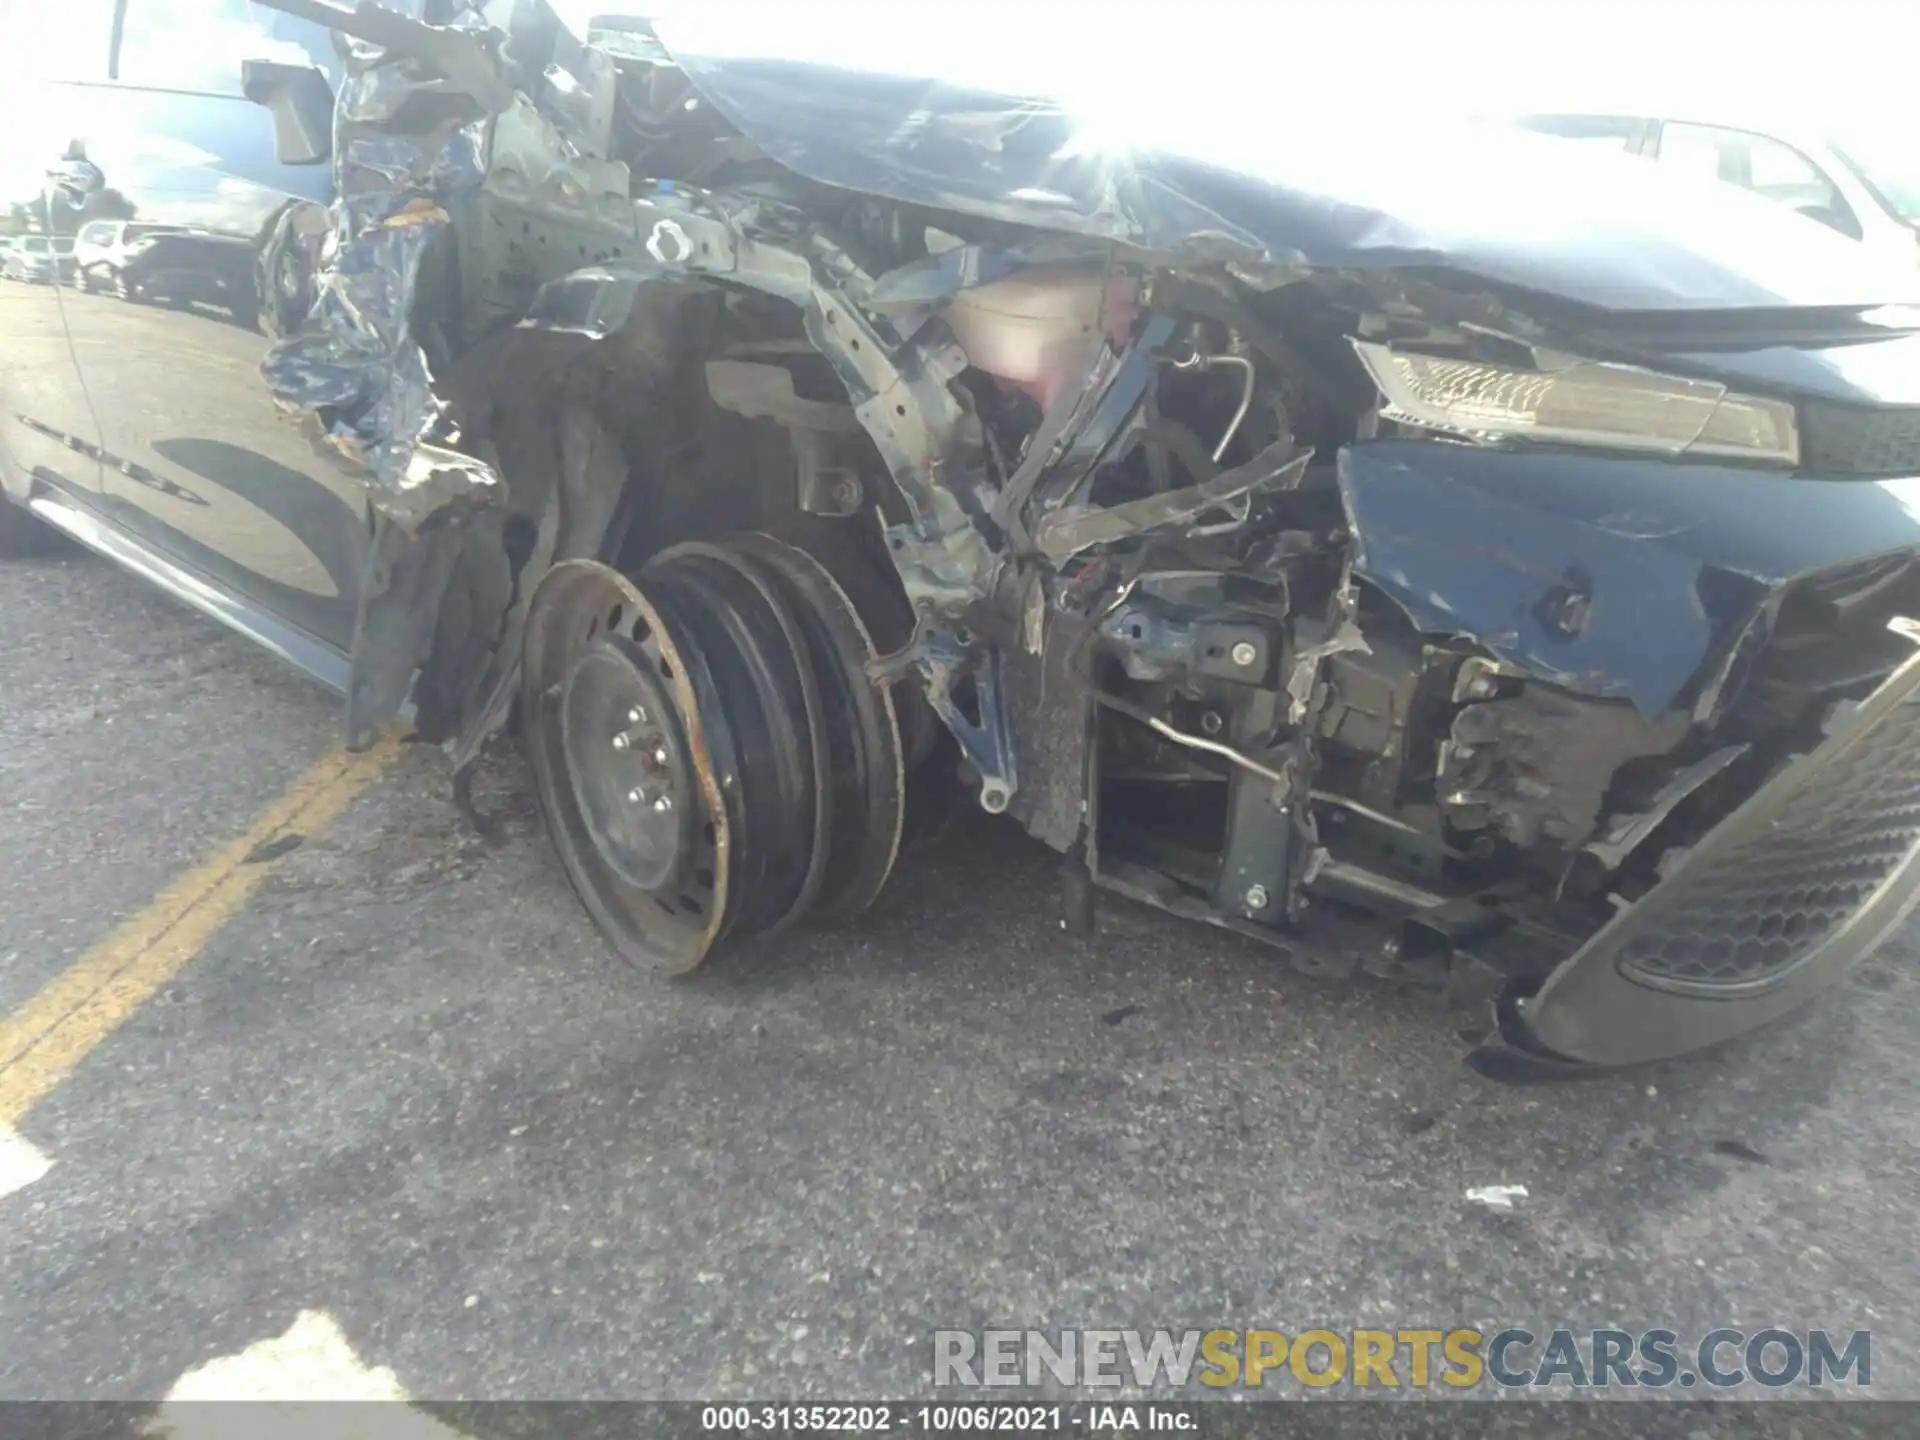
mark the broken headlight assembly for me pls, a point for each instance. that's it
(1582, 402)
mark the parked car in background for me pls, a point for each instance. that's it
(183, 267)
(101, 248)
(1863, 182)
(39, 259)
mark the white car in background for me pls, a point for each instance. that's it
(38, 260)
(1863, 182)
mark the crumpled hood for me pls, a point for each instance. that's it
(1263, 177)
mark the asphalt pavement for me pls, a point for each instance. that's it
(405, 1097)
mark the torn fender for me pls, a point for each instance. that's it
(411, 127)
(407, 146)
(1612, 577)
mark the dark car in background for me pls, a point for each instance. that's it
(183, 267)
(1496, 570)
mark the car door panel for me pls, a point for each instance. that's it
(47, 432)
(197, 460)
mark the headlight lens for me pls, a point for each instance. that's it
(1582, 402)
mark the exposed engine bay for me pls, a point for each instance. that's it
(793, 515)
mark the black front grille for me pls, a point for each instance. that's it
(1748, 910)
(1856, 440)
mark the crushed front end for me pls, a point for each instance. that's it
(1621, 741)
(1371, 598)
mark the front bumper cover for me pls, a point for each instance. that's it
(1771, 906)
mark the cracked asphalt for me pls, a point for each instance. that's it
(405, 1087)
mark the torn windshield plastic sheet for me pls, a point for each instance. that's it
(406, 148)
(1272, 198)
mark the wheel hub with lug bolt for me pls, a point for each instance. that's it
(612, 692)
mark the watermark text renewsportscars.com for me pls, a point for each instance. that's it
(1459, 1359)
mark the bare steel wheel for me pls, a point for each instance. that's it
(710, 755)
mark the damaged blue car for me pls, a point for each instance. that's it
(1455, 559)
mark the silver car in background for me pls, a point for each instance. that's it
(1863, 181)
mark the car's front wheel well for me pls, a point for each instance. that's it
(704, 415)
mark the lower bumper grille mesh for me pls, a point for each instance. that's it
(1854, 440)
(1751, 911)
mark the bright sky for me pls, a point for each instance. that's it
(1239, 63)
(1823, 56)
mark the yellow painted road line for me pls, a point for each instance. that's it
(42, 1041)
